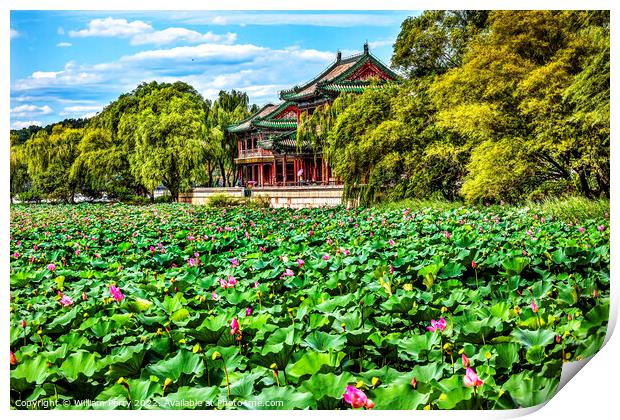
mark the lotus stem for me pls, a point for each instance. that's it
(226, 373)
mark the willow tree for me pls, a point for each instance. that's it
(170, 131)
(49, 159)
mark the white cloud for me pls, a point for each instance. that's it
(60, 30)
(14, 33)
(30, 110)
(310, 19)
(44, 74)
(381, 43)
(70, 76)
(83, 108)
(17, 125)
(202, 51)
(142, 33)
(170, 35)
(111, 27)
(63, 44)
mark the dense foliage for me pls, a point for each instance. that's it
(506, 105)
(172, 306)
(158, 134)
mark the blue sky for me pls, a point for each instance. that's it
(68, 64)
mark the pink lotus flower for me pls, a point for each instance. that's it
(248, 311)
(471, 378)
(116, 293)
(329, 242)
(190, 238)
(65, 300)
(262, 248)
(465, 360)
(16, 255)
(223, 284)
(355, 397)
(24, 323)
(77, 252)
(256, 284)
(231, 281)
(437, 325)
(152, 249)
(534, 306)
(474, 264)
(448, 234)
(288, 273)
(191, 262)
(234, 326)
(234, 262)
(51, 267)
(391, 268)
(13, 359)
(581, 229)
(300, 263)
(326, 257)
(346, 252)
(391, 242)
(414, 383)
(214, 296)
(601, 228)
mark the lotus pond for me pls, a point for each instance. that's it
(173, 306)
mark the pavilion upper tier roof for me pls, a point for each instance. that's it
(349, 74)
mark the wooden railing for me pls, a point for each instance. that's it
(248, 153)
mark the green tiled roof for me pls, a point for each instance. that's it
(276, 123)
(331, 81)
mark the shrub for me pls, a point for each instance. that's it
(166, 198)
(260, 202)
(223, 200)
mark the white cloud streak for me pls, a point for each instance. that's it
(63, 44)
(142, 33)
(29, 110)
(111, 27)
(17, 125)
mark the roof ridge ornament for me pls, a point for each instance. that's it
(366, 48)
(338, 56)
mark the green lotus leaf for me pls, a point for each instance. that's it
(321, 341)
(529, 390)
(183, 362)
(398, 397)
(312, 363)
(531, 338)
(281, 398)
(35, 370)
(186, 397)
(79, 363)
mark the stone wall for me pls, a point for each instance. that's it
(293, 197)
(201, 195)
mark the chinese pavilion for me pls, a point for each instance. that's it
(268, 154)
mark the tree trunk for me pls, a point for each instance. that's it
(222, 172)
(210, 172)
(583, 181)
